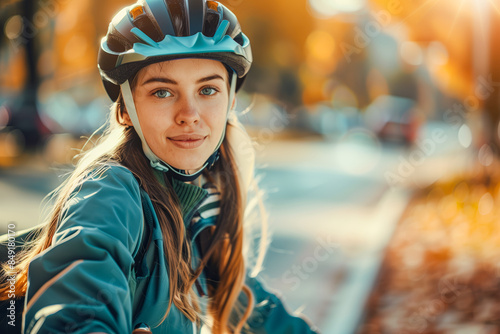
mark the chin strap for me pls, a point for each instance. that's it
(156, 162)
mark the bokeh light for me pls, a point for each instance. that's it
(437, 54)
(412, 53)
(14, 27)
(328, 8)
(465, 136)
(320, 49)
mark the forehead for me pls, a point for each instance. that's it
(187, 68)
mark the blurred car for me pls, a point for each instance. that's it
(393, 119)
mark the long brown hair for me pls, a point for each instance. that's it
(224, 254)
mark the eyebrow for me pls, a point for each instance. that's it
(173, 82)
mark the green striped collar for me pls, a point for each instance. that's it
(189, 195)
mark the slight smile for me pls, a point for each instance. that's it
(187, 141)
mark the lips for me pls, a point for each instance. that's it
(188, 141)
(187, 137)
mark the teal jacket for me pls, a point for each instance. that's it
(88, 281)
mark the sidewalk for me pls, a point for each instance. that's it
(441, 272)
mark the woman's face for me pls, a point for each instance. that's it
(181, 105)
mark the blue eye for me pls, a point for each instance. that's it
(208, 91)
(162, 93)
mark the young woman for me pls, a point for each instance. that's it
(147, 234)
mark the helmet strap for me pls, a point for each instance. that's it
(155, 161)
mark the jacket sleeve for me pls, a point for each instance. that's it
(270, 316)
(80, 284)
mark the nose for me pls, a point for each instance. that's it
(187, 112)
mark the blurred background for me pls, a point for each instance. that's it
(376, 124)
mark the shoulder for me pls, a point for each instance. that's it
(106, 200)
(111, 172)
(107, 180)
(105, 187)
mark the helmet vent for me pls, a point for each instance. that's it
(211, 23)
(116, 44)
(179, 17)
(239, 39)
(145, 24)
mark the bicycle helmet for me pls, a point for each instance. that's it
(152, 31)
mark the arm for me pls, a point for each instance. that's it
(81, 283)
(270, 315)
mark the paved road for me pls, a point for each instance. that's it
(329, 238)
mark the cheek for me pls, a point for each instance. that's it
(217, 121)
(153, 124)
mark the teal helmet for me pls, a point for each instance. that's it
(152, 31)
(157, 30)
